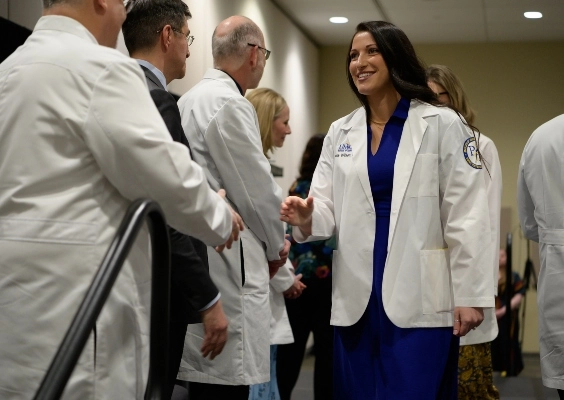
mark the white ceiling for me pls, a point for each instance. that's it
(431, 21)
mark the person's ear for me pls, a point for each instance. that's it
(101, 6)
(253, 58)
(165, 36)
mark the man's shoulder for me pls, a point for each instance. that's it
(549, 129)
(153, 82)
(83, 54)
(215, 88)
(52, 58)
(160, 95)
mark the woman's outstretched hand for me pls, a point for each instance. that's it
(297, 212)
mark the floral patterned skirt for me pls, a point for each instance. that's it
(267, 390)
(475, 373)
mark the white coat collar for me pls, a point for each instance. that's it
(355, 129)
(219, 75)
(410, 142)
(64, 24)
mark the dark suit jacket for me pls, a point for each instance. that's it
(191, 285)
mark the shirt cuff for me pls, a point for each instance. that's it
(211, 303)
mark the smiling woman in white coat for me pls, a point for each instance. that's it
(401, 185)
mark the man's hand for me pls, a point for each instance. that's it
(466, 318)
(274, 265)
(238, 226)
(215, 329)
(297, 212)
(296, 289)
(273, 268)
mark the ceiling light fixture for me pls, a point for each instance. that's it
(338, 20)
(533, 14)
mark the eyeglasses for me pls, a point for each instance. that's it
(189, 38)
(266, 51)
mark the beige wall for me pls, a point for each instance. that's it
(291, 70)
(513, 87)
(22, 12)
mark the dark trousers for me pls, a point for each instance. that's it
(176, 335)
(560, 394)
(311, 312)
(207, 391)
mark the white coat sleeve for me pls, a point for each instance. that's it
(466, 220)
(494, 186)
(284, 278)
(130, 142)
(321, 189)
(233, 140)
(525, 205)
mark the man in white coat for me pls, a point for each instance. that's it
(222, 129)
(540, 200)
(80, 138)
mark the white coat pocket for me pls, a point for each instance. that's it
(435, 282)
(254, 263)
(424, 180)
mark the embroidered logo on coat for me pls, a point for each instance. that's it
(471, 153)
(344, 150)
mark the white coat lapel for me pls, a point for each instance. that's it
(357, 137)
(410, 143)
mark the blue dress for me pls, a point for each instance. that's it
(374, 359)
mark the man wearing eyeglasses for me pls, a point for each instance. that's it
(222, 128)
(80, 139)
(157, 35)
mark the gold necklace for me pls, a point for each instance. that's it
(378, 123)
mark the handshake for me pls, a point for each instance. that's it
(238, 226)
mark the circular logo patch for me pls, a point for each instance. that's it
(471, 153)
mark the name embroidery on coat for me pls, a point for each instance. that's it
(344, 150)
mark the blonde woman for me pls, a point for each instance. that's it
(475, 373)
(273, 116)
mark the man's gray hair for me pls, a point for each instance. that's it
(235, 43)
(50, 3)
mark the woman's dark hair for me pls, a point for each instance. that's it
(406, 70)
(311, 156)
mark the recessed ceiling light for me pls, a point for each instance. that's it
(338, 20)
(533, 14)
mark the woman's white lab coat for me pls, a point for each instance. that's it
(280, 328)
(540, 200)
(488, 329)
(80, 138)
(439, 247)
